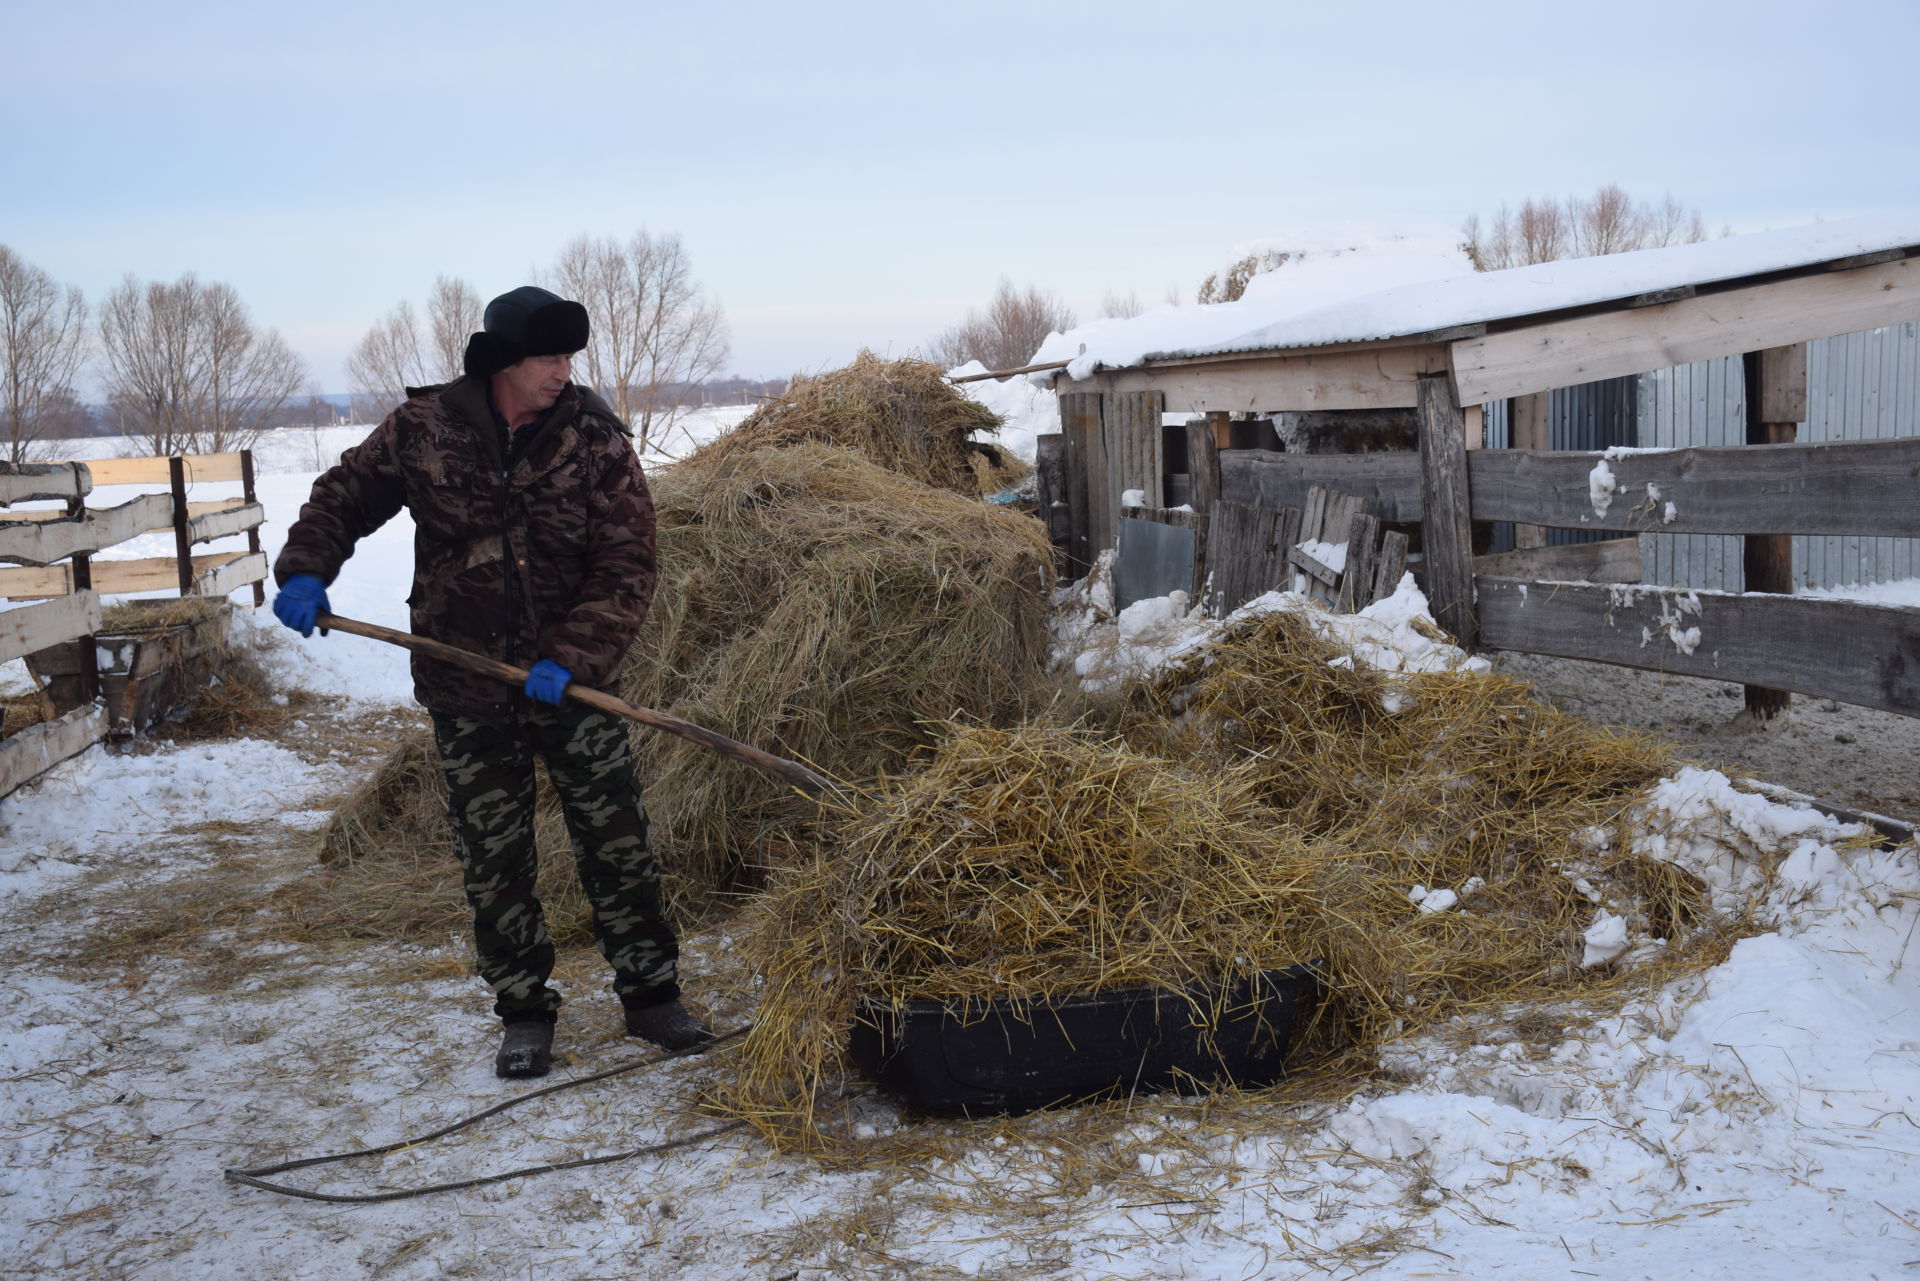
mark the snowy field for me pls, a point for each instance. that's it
(1758, 1120)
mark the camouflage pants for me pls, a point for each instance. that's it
(490, 772)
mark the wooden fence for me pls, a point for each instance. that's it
(54, 551)
(1855, 653)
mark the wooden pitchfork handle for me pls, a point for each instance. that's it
(776, 767)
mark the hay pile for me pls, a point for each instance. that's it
(811, 603)
(1261, 804)
(902, 414)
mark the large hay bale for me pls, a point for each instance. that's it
(901, 414)
(812, 604)
(1265, 802)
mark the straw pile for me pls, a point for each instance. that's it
(1259, 805)
(901, 414)
(811, 603)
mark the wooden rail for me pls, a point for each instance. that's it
(55, 549)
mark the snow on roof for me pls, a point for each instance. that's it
(1392, 289)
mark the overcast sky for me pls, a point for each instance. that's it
(846, 175)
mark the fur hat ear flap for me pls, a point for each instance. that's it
(487, 355)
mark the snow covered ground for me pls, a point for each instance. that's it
(1756, 1120)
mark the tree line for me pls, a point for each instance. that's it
(184, 366)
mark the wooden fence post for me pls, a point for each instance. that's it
(1080, 433)
(182, 540)
(1775, 383)
(253, 534)
(1528, 427)
(89, 651)
(1446, 527)
(1203, 462)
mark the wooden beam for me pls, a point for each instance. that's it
(31, 628)
(1611, 344)
(1446, 528)
(200, 469)
(29, 482)
(1390, 482)
(1863, 654)
(1849, 488)
(42, 542)
(111, 577)
(227, 521)
(218, 580)
(1302, 379)
(56, 513)
(38, 748)
(1616, 560)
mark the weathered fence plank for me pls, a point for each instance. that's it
(42, 542)
(158, 573)
(38, 748)
(1446, 528)
(1203, 465)
(1852, 488)
(218, 580)
(228, 520)
(200, 468)
(1131, 425)
(1864, 654)
(32, 628)
(1079, 427)
(27, 482)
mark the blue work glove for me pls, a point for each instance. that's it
(547, 682)
(300, 602)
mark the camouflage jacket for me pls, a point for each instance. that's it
(544, 549)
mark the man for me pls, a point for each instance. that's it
(534, 544)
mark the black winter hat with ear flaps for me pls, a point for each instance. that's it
(523, 322)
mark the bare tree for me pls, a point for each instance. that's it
(454, 312)
(385, 362)
(1610, 221)
(1006, 335)
(188, 370)
(399, 352)
(1115, 306)
(43, 339)
(652, 328)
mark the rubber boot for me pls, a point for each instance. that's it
(526, 1049)
(668, 1025)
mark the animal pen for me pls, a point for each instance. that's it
(1258, 514)
(101, 680)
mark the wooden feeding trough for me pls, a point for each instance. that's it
(154, 658)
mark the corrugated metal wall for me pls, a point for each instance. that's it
(1596, 415)
(1860, 386)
